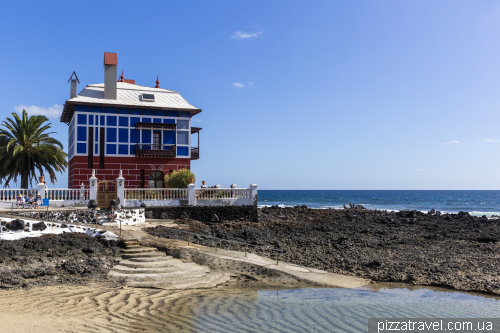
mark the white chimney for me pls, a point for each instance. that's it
(110, 75)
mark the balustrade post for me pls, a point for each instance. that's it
(41, 190)
(93, 186)
(82, 192)
(190, 194)
(253, 194)
(120, 189)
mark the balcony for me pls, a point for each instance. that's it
(151, 150)
(195, 153)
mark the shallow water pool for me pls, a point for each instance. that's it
(321, 310)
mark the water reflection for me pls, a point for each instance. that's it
(321, 310)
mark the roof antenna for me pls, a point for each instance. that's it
(72, 90)
(157, 82)
(74, 73)
(120, 79)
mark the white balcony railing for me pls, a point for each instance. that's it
(155, 193)
(222, 193)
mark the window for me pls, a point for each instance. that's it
(155, 180)
(110, 149)
(182, 124)
(182, 151)
(81, 133)
(111, 121)
(156, 120)
(134, 120)
(123, 121)
(111, 134)
(169, 137)
(148, 97)
(123, 149)
(169, 121)
(123, 135)
(81, 148)
(82, 119)
(183, 138)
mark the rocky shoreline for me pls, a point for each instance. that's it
(457, 251)
(69, 259)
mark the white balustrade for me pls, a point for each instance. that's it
(67, 194)
(155, 193)
(221, 193)
(11, 194)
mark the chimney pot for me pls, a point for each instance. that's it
(110, 86)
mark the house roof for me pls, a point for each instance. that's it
(128, 95)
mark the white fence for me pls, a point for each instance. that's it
(155, 193)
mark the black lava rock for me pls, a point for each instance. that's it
(16, 224)
(40, 226)
(92, 204)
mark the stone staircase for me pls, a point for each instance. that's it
(148, 268)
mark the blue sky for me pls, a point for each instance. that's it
(295, 95)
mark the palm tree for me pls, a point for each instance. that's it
(25, 148)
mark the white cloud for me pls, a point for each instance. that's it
(241, 85)
(50, 112)
(418, 169)
(451, 142)
(491, 140)
(196, 120)
(245, 35)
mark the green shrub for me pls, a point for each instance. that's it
(179, 179)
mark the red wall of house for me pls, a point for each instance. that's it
(131, 167)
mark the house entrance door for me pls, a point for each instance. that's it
(106, 191)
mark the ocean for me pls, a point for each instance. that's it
(477, 203)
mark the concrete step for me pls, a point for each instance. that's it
(140, 250)
(134, 246)
(144, 270)
(208, 280)
(149, 259)
(173, 277)
(147, 264)
(143, 255)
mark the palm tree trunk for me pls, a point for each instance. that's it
(24, 180)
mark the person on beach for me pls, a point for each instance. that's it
(345, 207)
(20, 200)
(30, 201)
